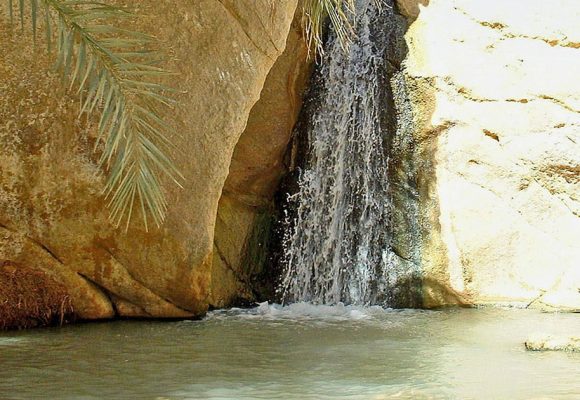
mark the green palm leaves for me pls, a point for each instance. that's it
(117, 75)
(315, 13)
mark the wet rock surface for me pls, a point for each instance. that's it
(553, 343)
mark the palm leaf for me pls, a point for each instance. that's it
(117, 76)
(341, 13)
(315, 12)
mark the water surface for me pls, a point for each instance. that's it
(296, 352)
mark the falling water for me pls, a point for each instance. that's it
(338, 246)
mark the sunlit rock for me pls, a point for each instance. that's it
(494, 93)
(553, 343)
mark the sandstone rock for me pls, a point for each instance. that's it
(52, 214)
(411, 8)
(552, 343)
(559, 299)
(495, 119)
(257, 166)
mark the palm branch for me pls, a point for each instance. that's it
(339, 12)
(117, 73)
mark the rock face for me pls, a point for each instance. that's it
(411, 8)
(245, 210)
(486, 171)
(492, 104)
(52, 216)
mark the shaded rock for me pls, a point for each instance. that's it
(411, 8)
(246, 208)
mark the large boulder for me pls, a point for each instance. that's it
(495, 118)
(52, 214)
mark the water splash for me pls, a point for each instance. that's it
(338, 246)
(306, 312)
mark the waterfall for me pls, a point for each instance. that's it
(338, 244)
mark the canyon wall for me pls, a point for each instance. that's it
(53, 217)
(485, 167)
(490, 96)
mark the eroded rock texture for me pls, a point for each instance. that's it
(52, 214)
(245, 213)
(487, 164)
(492, 101)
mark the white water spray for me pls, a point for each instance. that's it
(339, 247)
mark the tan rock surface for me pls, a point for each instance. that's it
(51, 211)
(497, 107)
(255, 172)
(411, 8)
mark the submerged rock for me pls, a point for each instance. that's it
(553, 343)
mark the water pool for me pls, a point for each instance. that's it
(296, 352)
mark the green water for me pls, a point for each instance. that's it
(300, 352)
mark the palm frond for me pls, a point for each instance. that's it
(314, 14)
(117, 76)
(341, 14)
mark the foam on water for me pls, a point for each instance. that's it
(303, 311)
(12, 341)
